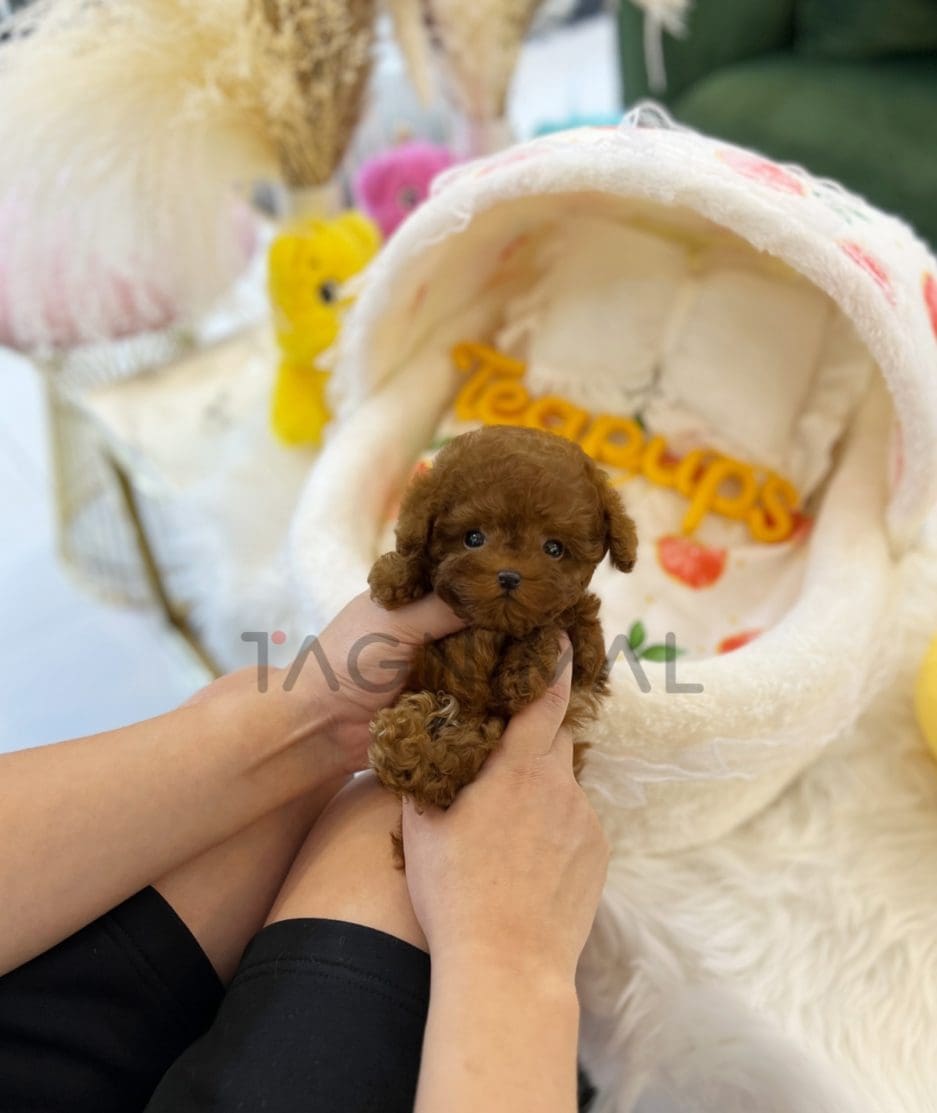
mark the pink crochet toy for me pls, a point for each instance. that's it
(390, 185)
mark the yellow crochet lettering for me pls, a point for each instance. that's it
(713, 483)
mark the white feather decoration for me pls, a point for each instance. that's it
(127, 128)
(121, 142)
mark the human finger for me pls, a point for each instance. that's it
(414, 819)
(427, 619)
(562, 748)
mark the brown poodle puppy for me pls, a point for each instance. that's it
(507, 527)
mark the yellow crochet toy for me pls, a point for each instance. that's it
(926, 697)
(308, 263)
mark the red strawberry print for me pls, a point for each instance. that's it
(930, 298)
(871, 266)
(512, 247)
(803, 524)
(691, 563)
(736, 641)
(762, 170)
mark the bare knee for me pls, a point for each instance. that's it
(346, 870)
(225, 894)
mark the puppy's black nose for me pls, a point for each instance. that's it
(509, 580)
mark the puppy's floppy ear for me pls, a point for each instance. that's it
(621, 538)
(403, 576)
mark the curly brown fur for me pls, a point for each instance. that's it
(479, 528)
(426, 748)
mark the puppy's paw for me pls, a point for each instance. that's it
(395, 581)
(421, 748)
(406, 750)
(517, 687)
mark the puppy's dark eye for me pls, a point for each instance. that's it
(553, 548)
(474, 539)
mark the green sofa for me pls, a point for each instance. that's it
(846, 88)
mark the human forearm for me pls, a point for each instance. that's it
(86, 823)
(501, 1036)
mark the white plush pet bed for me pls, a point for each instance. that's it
(731, 308)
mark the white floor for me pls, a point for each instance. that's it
(70, 665)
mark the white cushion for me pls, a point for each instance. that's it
(742, 358)
(593, 326)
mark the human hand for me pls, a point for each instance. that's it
(513, 871)
(359, 665)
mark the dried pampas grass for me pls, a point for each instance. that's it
(318, 56)
(476, 43)
(126, 127)
(413, 41)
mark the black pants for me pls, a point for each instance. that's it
(322, 1016)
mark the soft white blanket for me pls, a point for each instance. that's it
(731, 978)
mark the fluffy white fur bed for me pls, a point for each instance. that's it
(738, 977)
